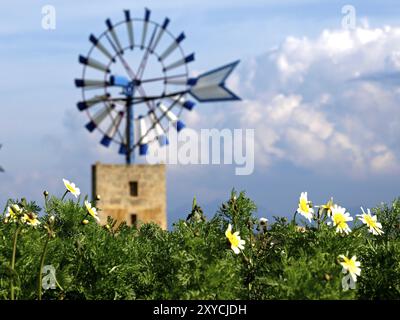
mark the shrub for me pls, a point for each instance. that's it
(281, 260)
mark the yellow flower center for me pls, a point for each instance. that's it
(304, 205)
(350, 264)
(328, 207)
(31, 218)
(70, 188)
(369, 221)
(340, 221)
(233, 239)
(91, 211)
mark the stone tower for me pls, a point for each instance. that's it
(132, 193)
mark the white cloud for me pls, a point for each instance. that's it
(308, 109)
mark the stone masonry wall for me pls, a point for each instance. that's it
(111, 182)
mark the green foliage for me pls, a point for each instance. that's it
(194, 260)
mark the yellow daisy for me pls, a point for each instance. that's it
(30, 219)
(71, 187)
(352, 266)
(91, 210)
(305, 209)
(374, 226)
(328, 207)
(340, 218)
(237, 244)
(12, 213)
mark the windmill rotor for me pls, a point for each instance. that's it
(135, 83)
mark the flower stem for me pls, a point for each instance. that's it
(66, 192)
(294, 218)
(17, 231)
(41, 268)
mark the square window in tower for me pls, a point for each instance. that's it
(133, 219)
(133, 188)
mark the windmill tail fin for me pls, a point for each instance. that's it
(210, 86)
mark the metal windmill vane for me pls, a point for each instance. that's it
(135, 84)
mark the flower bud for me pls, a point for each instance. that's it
(85, 221)
(263, 221)
(327, 277)
(98, 198)
(15, 208)
(45, 193)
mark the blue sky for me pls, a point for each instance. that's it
(322, 125)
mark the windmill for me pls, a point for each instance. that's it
(135, 84)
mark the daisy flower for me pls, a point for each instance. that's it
(71, 187)
(328, 207)
(30, 219)
(91, 210)
(237, 244)
(352, 267)
(12, 213)
(371, 221)
(340, 218)
(305, 209)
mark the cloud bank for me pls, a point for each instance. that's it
(323, 104)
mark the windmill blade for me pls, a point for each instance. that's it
(180, 62)
(93, 63)
(83, 105)
(123, 149)
(90, 84)
(114, 36)
(210, 86)
(178, 124)
(143, 63)
(112, 130)
(99, 117)
(145, 25)
(153, 35)
(129, 26)
(123, 146)
(160, 134)
(187, 104)
(96, 42)
(160, 34)
(172, 47)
